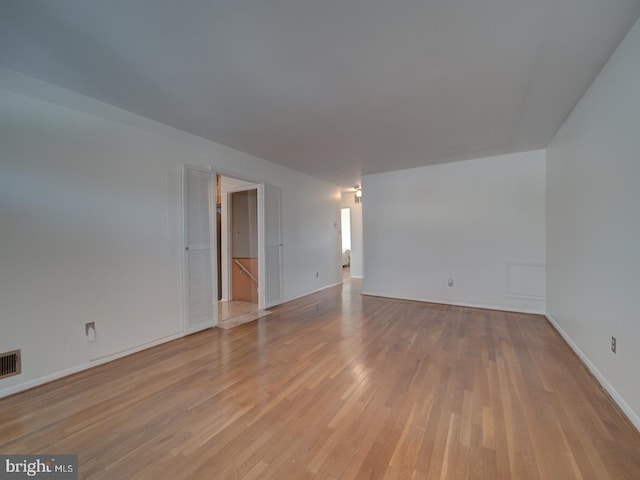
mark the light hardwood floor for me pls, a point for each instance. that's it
(234, 313)
(337, 386)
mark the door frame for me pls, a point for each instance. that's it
(227, 256)
(262, 279)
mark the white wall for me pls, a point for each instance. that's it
(91, 227)
(463, 220)
(348, 201)
(593, 226)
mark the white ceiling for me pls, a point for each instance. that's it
(332, 88)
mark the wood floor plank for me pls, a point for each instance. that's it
(334, 386)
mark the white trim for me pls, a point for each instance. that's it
(615, 396)
(227, 256)
(501, 308)
(359, 277)
(223, 172)
(254, 184)
(87, 365)
(262, 300)
(309, 293)
(244, 188)
(204, 325)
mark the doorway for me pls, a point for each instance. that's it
(227, 187)
(243, 243)
(246, 274)
(238, 250)
(210, 255)
(345, 219)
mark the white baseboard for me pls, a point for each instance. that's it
(85, 366)
(624, 406)
(108, 358)
(309, 293)
(464, 304)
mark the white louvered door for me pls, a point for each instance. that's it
(272, 247)
(200, 250)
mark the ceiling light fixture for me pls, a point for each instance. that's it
(358, 197)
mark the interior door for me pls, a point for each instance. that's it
(200, 250)
(271, 282)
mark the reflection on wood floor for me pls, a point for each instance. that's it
(234, 313)
(336, 385)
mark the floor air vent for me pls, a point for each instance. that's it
(10, 364)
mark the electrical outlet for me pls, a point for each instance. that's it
(90, 331)
(614, 344)
(450, 282)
